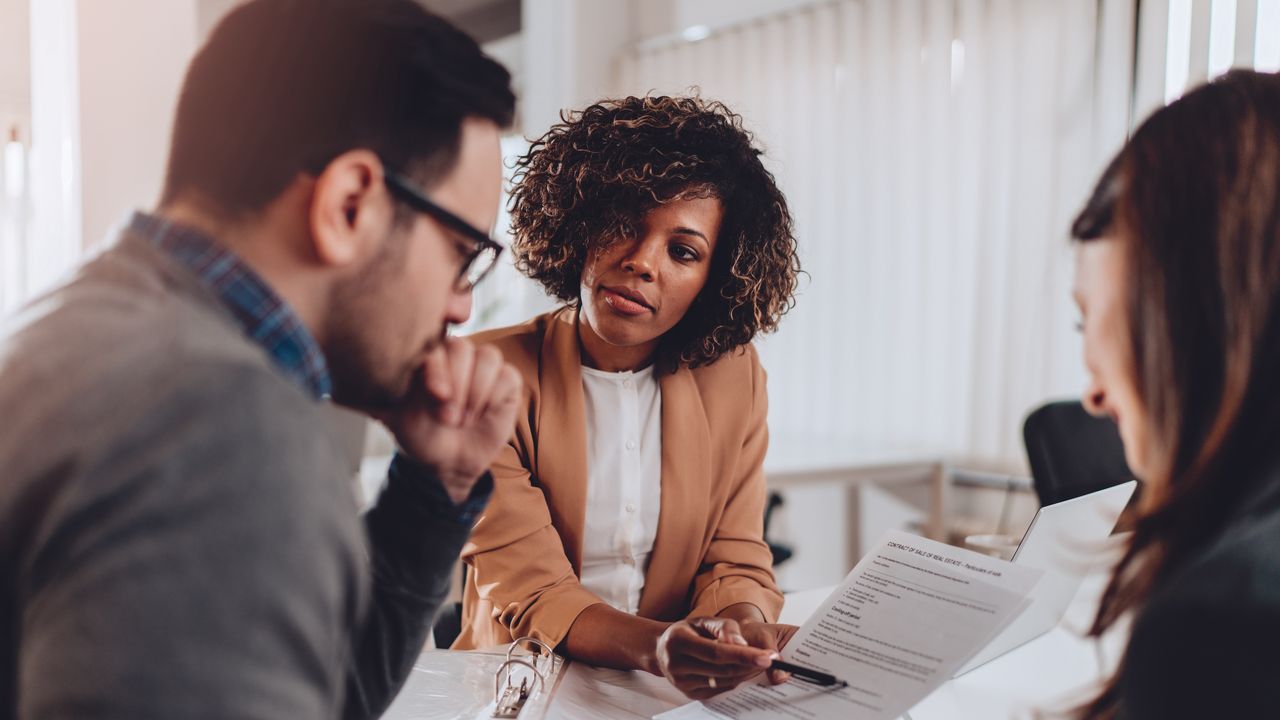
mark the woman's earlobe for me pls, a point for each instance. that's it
(1094, 400)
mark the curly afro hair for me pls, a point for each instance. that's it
(589, 181)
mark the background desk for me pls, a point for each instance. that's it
(840, 498)
(796, 462)
(834, 474)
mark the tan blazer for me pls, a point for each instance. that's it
(709, 552)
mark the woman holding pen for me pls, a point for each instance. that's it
(626, 524)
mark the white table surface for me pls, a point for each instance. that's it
(1057, 670)
(1054, 671)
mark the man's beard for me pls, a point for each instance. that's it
(361, 384)
(356, 386)
(362, 373)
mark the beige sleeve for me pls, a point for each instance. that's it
(738, 566)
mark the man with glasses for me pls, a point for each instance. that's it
(178, 532)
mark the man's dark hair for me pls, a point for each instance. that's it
(284, 86)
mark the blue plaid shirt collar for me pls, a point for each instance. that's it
(263, 315)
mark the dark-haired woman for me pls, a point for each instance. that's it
(625, 528)
(1178, 282)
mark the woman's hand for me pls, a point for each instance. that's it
(705, 656)
(773, 637)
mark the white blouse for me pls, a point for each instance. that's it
(624, 482)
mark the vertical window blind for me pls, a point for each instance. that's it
(934, 154)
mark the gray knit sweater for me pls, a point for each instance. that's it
(178, 533)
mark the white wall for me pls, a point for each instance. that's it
(15, 67)
(103, 77)
(55, 147)
(571, 48)
(655, 19)
(132, 55)
(15, 117)
(209, 12)
(109, 91)
(569, 51)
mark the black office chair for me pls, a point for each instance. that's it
(1072, 453)
(781, 553)
(448, 622)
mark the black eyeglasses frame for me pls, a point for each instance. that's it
(404, 189)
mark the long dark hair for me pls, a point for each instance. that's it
(1194, 197)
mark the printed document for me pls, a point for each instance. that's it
(904, 620)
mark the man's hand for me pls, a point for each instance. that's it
(460, 415)
(705, 656)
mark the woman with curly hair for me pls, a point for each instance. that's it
(626, 525)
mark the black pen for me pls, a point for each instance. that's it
(816, 677)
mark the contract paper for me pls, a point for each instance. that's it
(904, 620)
